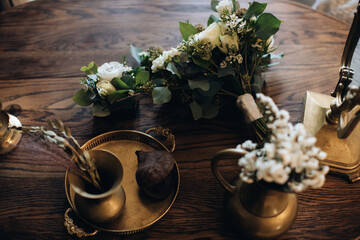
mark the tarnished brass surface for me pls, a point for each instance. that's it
(255, 211)
(100, 206)
(9, 138)
(335, 121)
(139, 211)
(343, 155)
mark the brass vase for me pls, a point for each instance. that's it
(255, 210)
(100, 206)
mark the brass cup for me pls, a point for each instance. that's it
(100, 206)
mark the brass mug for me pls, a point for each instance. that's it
(104, 206)
(256, 211)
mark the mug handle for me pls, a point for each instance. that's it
(227, 153)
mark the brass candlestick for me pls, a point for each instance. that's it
(335, 119)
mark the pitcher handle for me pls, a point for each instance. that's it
(166, 133)
(73, 229)
(227, 153)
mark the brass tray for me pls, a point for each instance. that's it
(140, 211)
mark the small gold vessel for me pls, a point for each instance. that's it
(100, 206)
(9, 138)
(255, 211)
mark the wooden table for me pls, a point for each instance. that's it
(43, 44)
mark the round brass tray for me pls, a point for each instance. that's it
(140, 211)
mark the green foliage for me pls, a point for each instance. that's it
(83, 98)
(90, 69)
(212, 19)
(100, 110)
(214, 3)
(202, 84)
(196, 110)
(209, 111)
(255, 9)
(266, 26)
(171, 68)
(119, 84)
(187, 29)
(142, 77)
(135, 53)
(161, 95)
(119, 94)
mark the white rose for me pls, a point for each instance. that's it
(229, 42)
(210, 34)
(225, 4)
(104, 88)
(108, 71)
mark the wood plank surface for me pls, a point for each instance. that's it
(43, 44)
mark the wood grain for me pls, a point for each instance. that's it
(43, 44)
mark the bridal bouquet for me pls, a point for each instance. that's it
(211, 67)
(289, 159)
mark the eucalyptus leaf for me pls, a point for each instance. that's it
(100, 110)
(223, 72)
(209, 111)
(232, 83)
(142, 77)
(161, 95)
(266, 25)
(196, 110)
(255, 9)
(119, 84)
(258, 82)
(200, 62)
(83, 98)
(215, 86)
(203, 85)
(135, 53)
(187, 29)
(212, 19)
(214, 3)
(171, 68)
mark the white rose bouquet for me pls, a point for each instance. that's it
(210, 68)
(289, 159)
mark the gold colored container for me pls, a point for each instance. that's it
(256, 211)
(9, 138)
(100, 206)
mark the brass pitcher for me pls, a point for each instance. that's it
(256, 211)
(100, 206)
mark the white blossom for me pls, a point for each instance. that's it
(290, 157)
(108, 71)
(159, 62)
(210, 35)
(225, 5)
